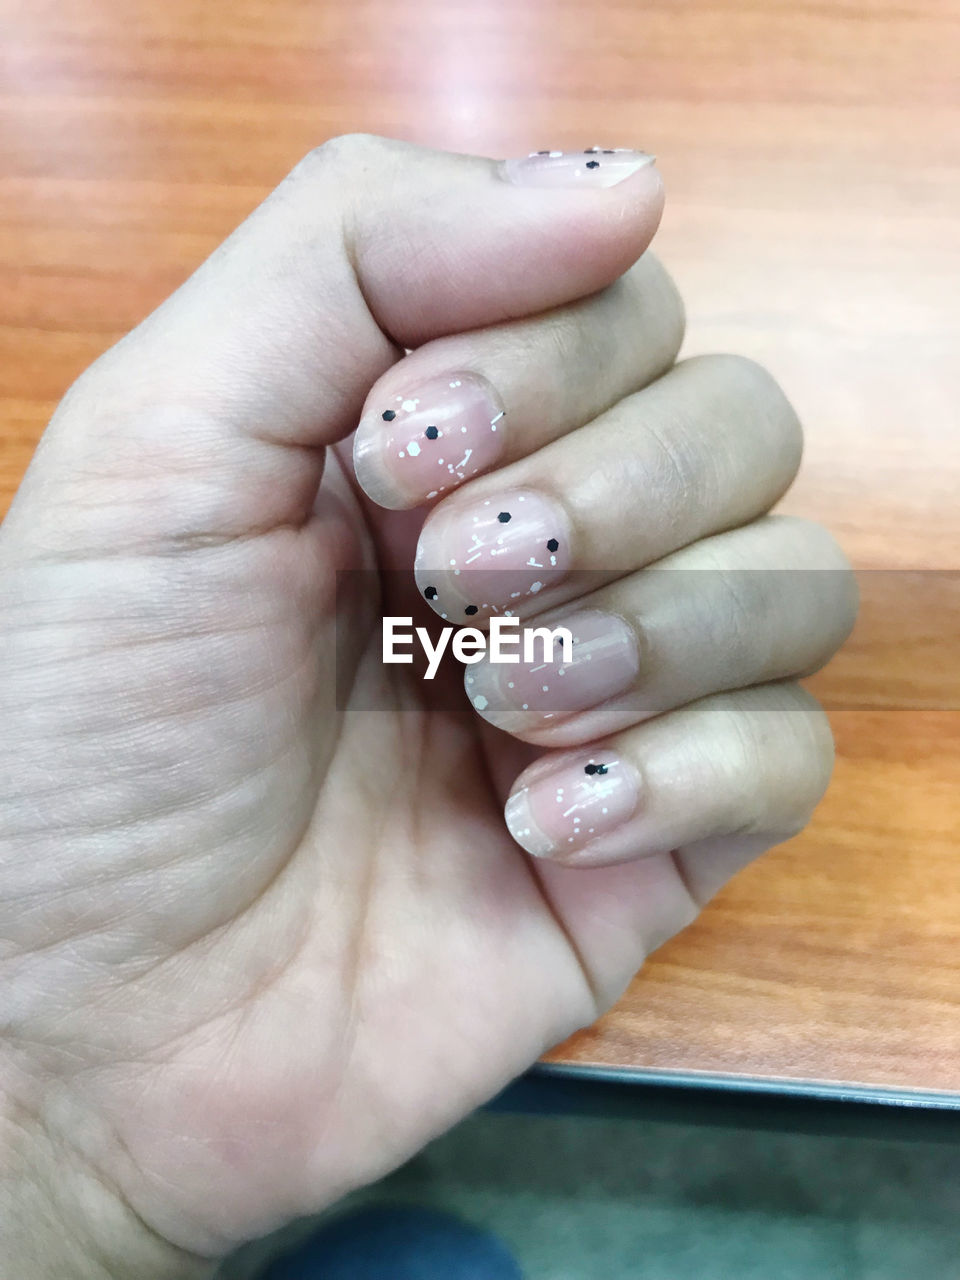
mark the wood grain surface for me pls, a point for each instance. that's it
(810, 152)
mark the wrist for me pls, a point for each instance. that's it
(60, 1221)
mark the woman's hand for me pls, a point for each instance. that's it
(260, 941)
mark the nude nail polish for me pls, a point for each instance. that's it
(429, 440)
(562, 811)
(594, 167)
(490, 556)
(604, 662)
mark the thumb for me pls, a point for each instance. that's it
(205, 419)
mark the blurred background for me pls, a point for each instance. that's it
(810, 154)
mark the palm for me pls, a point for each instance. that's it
(366, 916)
(397, 944)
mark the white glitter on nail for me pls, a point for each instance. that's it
(409, 405)
(413, 449)
(480, 702)
(535, 587)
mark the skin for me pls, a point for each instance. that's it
(258, 945)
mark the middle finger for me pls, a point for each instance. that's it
(709, 446)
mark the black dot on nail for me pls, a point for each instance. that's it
(470, 610)
(593, 164)
(601, 768)
(553, 545)
(504, 517)
(591, 151)
(543, 153)
(389, 415)
(590, 768)
(609, 151)
(431, 433)
(430, 593)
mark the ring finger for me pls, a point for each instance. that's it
(771, 600)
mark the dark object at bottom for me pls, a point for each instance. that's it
(396, 1242)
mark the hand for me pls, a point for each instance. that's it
(259, 944)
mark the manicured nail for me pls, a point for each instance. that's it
(595, 167)
(562, 811)
(426, 442)
(488, 556)
(604, 662)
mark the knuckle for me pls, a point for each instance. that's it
(821, 550)
(822, 749)
(567, 340)
(343, 151)
(744, 617)
(807, 761)
(745, 379)
(837, 586)
(842, 587)
(746, 375)
(779, 756)
(744, 770)
(664, 301)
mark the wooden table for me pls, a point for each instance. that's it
(811, 158)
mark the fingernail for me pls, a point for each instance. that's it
(426, 442)
(488, 556)
(564, 810)
(604, 662)
(595, 167)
